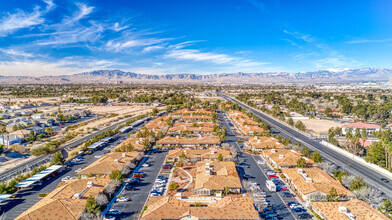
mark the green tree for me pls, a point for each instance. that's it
(173, 186)
(306, 152)
(316, 157)
(376, 154)
(58, 159)
(290, 121)
(92, 205)
(300, 126)
(116, 175)
(301, 162)
(357, 183)
(220, 157)
(333, 195)
(49, 130)
(328, 111)
(154, 112)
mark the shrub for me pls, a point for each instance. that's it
(42, 194)
(173, 186)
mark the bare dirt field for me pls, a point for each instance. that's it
(320, 126)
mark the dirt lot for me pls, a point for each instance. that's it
(320, 126)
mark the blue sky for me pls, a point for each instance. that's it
(52, 37)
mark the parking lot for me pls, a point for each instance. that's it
(27, 198)
(132, 209)
(275, 200)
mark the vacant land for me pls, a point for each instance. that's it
(320, 126)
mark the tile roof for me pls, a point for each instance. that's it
(107, 163)
(321, 181)
(265, 142)
(361, 125)
(226, 208)
(189, 124)
(188, 141)
(285, 157)
(360, 209)
(196, 117)
(223, 173)
(190, 111)
(250, 128)
(204, 153)
(60, 204)
(190, 128)
(137, 144)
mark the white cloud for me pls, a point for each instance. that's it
(133, 41)
(83, 11)
(66, 66)
(196, 55)
(364, 41)
(21, 19)
(118, 27)
(152, 48)
(17, 53)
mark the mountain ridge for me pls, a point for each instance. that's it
(118, 76)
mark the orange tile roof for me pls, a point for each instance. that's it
(360, 209)
(190, 111)
(157, 123)
(321, 181)
(137, 144)
(189, 124)
(196, 117)
(265, 142)
(204, 153)
(188, 141)
(173, 208)
(107, 163)
(60, 204)
(193, 129)
(250, 128)
(285, 157)
(223, 173)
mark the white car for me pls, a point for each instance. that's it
(123, 199)
(271, 173)
(260, 162)
(292, 206)
(154, 194)
(78, 170)
(160, 181)
(145, 165)
(65, 178)
(98, 156)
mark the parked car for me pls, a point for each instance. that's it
(114, 212)
(247, 176)
(295, 206)
(65, 178)
(297, 209)
(290, 203)
(78, 170)
(283, 189)
(146, 164)
(98, 156)
(130, 188)
(138, 175)
(304, 215)
(260, 162)
(166, 167)
(123, 199)
(272, 176)
(287, 194)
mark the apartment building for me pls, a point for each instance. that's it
(188, 142)
(108, 163)
(165, 207)
(314, 184)
(352, 127)
(284, 158)
(260, 143)
(353, 209)
(195, 155)
(67, 201)
(198, 130)
(215, 176)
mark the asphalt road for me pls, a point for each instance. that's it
(275, 199)
(133, 208)
(28, 166)
(369, 176)
(27, 198)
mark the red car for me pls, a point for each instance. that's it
(284, 189)
(167, 167)
(272, 176)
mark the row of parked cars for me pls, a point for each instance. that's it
(159, 186)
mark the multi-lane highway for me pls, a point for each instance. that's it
(369, 176)
(27, 198)
(28, 166)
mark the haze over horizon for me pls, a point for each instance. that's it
(52, 37)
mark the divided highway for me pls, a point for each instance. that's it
(369, 176)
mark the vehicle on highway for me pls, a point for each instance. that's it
(385, 180)
(304, 215)
(123, 199)
(287, 194)
(114, 212)
(260, 162)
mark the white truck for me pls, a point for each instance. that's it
(270, 185)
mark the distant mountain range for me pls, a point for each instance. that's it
(118, 76)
